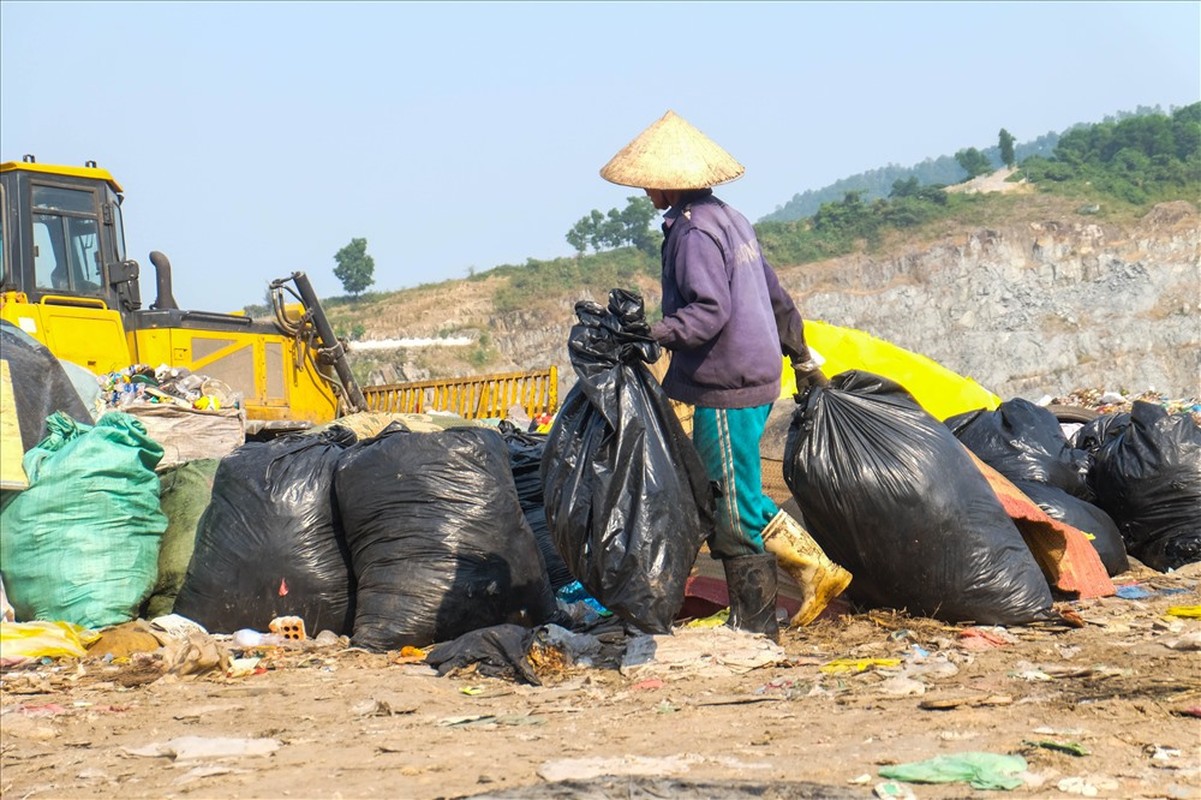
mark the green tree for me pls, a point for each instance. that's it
(973, 162)
(631, 225)
(1005, 142)
(355, 268)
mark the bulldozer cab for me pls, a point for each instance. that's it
(61, 236)
(66, 280)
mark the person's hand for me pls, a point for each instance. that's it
(807, 374)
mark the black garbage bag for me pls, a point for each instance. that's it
(627, 498)
(1091, 435)
(437, 538)
(890, 494)
(270, 542)
(1147, 476)
(525, 459)
(1085, 517)
(1024, 442)
(498, 651)
(40, 384)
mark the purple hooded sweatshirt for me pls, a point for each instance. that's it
(726, 318)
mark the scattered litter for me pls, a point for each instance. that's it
(587, 768)
(980, 770)
(375, 707)
(700, 651)
(840, 665)
(1192, 612)
(29, 640)
(190, 748)
(1132, 591)
(901, 686)
(1087, 786)
(892, 789)
(945, 703)
(1161, 753)
(1190, 641)
(1071, 748)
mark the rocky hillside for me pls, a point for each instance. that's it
(1036, 299)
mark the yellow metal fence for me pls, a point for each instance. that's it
(476, 397)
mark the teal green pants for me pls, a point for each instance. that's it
(728, 442)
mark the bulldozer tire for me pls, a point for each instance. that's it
(1071, 414)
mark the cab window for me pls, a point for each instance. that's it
(66, 238)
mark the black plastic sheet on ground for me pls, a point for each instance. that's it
(1147, 476)
(438, 540)
(270, 543)
(890, 494)
(627, 498)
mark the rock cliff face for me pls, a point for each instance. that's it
(1041, 308)
(1035, 308)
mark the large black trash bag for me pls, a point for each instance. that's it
(1091, 435)
(1024, 442)
(525, 459)
(270, 542)
(1084, 517)
(627, 498)
(438, 541)
(890, 494)
(1147, 477)
(40, 384)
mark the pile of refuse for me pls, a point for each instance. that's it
(488, 539)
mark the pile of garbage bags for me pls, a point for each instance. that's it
(400, 537)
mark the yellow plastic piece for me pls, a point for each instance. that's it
(857, 664)
(1192, 612)
(43, 639)
(937, 389)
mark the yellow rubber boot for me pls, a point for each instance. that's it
(820, 579)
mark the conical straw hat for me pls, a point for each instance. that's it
(671, 154)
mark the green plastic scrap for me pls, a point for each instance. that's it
(1071, 748)
(981, 770)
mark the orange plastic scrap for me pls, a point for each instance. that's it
(1064, 553)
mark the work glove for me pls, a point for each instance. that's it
(807, 374)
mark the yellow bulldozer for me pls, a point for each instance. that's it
(67, 281)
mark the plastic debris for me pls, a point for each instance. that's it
(980, 770)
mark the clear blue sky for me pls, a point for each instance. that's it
(254, 139)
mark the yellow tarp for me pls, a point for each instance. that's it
(937, 389)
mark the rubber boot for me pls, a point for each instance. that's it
(751, 581)
(820, 579)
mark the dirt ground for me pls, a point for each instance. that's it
(1109, 709)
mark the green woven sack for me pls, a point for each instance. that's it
(81, 543)
(186, 491)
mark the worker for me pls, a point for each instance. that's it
(727, 323)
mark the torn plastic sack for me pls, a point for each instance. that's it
(81, 543)
(185, 491)
(627, 497)
(439, 544)
(980, 770)
(40, 384)
(1085, 517)
(1147, 477)
(890, 494)
(1024, 442)
(525, 459)
(44, 639)
(270, 543)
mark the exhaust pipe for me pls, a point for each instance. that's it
(164, 301)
